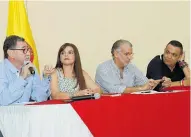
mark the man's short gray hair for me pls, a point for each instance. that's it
(117, 45)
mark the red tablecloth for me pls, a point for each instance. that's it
(133, 115)
(136, 115)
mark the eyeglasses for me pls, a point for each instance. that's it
(25, 50)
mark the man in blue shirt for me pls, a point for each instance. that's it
(119, 75)
(17, 84)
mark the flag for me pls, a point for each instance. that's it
(18, 24)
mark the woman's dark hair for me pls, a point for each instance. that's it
(77, 64)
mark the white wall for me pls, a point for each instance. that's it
(95, 26)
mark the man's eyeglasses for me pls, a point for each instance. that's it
(25, 50)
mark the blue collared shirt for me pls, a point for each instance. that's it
(109, 79)
(15, 89)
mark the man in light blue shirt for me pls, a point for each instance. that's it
(119, 75)
(17, 84)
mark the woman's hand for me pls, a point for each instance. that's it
(84, 92)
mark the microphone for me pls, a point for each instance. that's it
(32, 71)
(86, 97)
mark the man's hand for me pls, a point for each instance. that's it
(151, 84)
(48, 70)
(182, 58)
(25, 70)
(166, 82)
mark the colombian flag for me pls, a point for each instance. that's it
(18, 24)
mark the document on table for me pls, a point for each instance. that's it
(154, 92)
(147, 92)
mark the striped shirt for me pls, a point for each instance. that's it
(15, 89)
(109, 79)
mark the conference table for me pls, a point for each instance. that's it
(161, 114)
